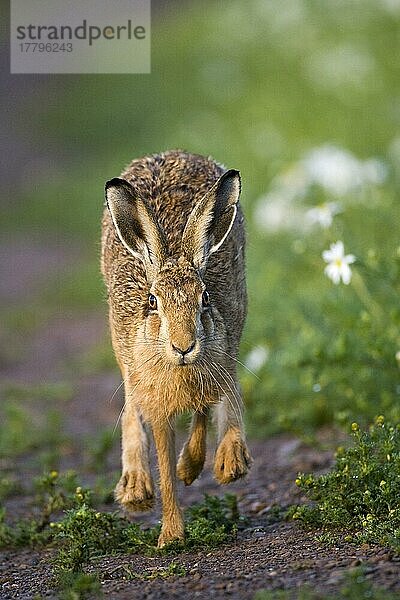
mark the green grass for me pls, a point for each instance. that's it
(25, 428)
(98, 449)
(360, 496)
(60, 391)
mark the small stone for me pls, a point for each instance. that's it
(258, 533)
(356, 562)
(256, 507)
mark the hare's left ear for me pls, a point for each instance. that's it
(136, 225)
(211, 220)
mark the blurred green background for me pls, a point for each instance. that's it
(303, 98)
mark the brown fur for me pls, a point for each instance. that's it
(147, 250)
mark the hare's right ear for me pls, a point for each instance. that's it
(136, 225)
(211, 220)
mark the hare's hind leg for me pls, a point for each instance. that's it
(232, 459)
(134, 490)
(193, 454)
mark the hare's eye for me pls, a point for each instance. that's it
(152, 302)
(206, 298)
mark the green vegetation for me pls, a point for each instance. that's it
(360, 496)
(53, 492)
(83, 532)
(78, 586)
(86, 533)
(47, 392)
(31, 426)
(174, 569)
(355, 587)
(99, 448)
(18, 434)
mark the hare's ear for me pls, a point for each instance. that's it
(211, 220)
(136, 224)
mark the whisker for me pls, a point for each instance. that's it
(118, 419)
(240, 363)
(234, 390)
(235, 406)
(224, 393)
(124, 380)
(117, 389)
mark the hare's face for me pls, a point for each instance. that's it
(178, 318)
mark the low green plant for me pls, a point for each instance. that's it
(78, 586)
(21, 428)
(18, 434)
(174, 569)
(53, 493)
(99, 449)
(212, 522)
(355, 587)
(24, 532)
(9, 486)
(50, 392)
(103, 487)
(86, 533)
(361, 494)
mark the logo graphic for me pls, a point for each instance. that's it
(75, 36)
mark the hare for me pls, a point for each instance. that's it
(173, 262)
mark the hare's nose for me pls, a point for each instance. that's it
(183, 352)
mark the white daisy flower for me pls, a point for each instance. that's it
(338, 263)
(274, 212)
(323, 214)
(256, 358)
(335, 169)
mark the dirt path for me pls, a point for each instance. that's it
(275, 555)
(267, 553)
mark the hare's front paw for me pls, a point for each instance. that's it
(190, 464)
(232, 459)
(134, 491)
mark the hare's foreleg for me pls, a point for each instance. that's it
(134, 490)
(172, 520)
(232, 459)
(193, 454)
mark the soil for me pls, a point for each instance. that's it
(267, 553)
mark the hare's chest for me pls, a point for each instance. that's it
(173, 393)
